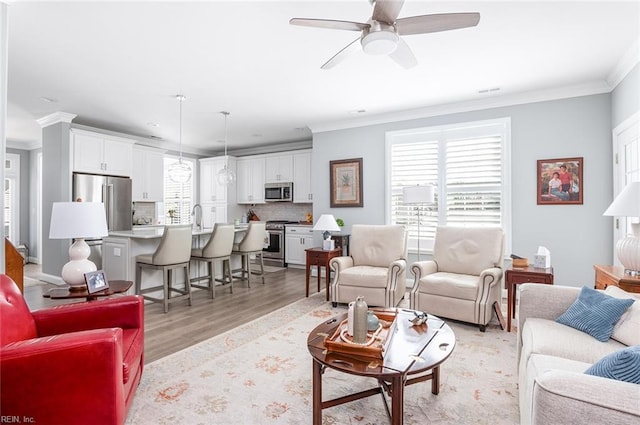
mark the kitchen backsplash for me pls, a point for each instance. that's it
(144, 212)
(282, 211)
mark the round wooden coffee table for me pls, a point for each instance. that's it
(413, 355)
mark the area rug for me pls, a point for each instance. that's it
(260, 373)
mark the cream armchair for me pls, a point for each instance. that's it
(375, 269)
(463, 281)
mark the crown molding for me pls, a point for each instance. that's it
(596, 87)
(625, 65)
(24, 146)
(55, 118)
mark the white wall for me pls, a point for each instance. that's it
(578, 236)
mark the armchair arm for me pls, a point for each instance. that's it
(491, 277)
(338, 264)
(124, 312)
(562, 397)
(421, 269)
(395, 271)
(42, 376)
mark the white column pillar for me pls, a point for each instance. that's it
(4, 47)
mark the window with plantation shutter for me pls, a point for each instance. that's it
(178, 197)
(468, 166)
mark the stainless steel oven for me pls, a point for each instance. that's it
(274, 253)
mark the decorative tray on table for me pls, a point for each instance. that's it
(377, 341)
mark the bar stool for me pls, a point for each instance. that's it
(174, 252)
(252, 243)
(217, 248)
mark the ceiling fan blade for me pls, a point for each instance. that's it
(387, 11)
(342, 54)
(329, 23)
(434, 23)
(403, 55)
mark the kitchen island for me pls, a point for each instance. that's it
(120, 248)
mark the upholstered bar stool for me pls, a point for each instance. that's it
(174, 252)
(218, 248)
(251, 243)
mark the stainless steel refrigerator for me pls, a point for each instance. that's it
(115, 193)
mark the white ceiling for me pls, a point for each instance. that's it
(119, 65)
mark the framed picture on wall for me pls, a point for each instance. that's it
(346, 183)
(560, 181)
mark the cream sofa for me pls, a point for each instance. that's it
(375, 269)
(463, 280)
(552, 361)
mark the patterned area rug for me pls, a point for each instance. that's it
(260, 373)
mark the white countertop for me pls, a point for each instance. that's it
(152, 232)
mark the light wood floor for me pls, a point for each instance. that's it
(183, 326)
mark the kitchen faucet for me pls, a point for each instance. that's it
(197, 212)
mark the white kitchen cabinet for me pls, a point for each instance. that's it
(213, 213)
(297, 239)
(147, 175)
(210, 189)
(116, 259)
(302, 177)
(278, 168)
(250, 189)
(101, 154)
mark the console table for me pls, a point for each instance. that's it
(614, 275)
(517, 275)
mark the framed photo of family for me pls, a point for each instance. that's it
(346, 183)
(96, 281)
(560, 181)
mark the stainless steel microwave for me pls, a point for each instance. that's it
(278, 192)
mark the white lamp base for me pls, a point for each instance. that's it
(73, 272)
(628, 250)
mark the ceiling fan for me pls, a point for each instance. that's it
(381, 34)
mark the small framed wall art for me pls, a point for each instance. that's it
(560, 181)
(96, 281)
(346, 183)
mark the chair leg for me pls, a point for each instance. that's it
(138, 278)
(212, 278)
(261, 266)
(187, 283)
(166, 279)
(227, 263)
(247, 263)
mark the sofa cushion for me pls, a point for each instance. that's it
(595, 313)
(451, 285)
(545, 336)
(365, 276)
(627, 330)
(623, 365)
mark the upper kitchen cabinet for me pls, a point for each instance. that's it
(210, 189)
(147, 175)
(250, 189)
(101, 154)
(302, 177)
(278, 168)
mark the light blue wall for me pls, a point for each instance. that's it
(578, 236)
(625, 98)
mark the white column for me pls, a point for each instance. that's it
(4, 43)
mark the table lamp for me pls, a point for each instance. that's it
(78, 220)
(627, 204)
(327, 224)
(418, 195)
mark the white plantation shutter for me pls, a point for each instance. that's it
(466, 165)
(178, 196)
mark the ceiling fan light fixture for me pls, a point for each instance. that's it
(379, 42)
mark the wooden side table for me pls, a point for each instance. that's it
(614, 275)
(517, 275)
(319, 257)
(115, 287)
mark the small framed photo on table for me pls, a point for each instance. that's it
(96, 281)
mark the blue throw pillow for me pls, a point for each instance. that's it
(623, 365)
(595, 313)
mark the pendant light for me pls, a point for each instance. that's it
(225, 176)
(179, 172)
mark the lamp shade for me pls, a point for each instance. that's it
(78, 220)
(627, 203)
(418, 194)
(327, 222)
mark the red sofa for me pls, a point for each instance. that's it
(71, 364)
